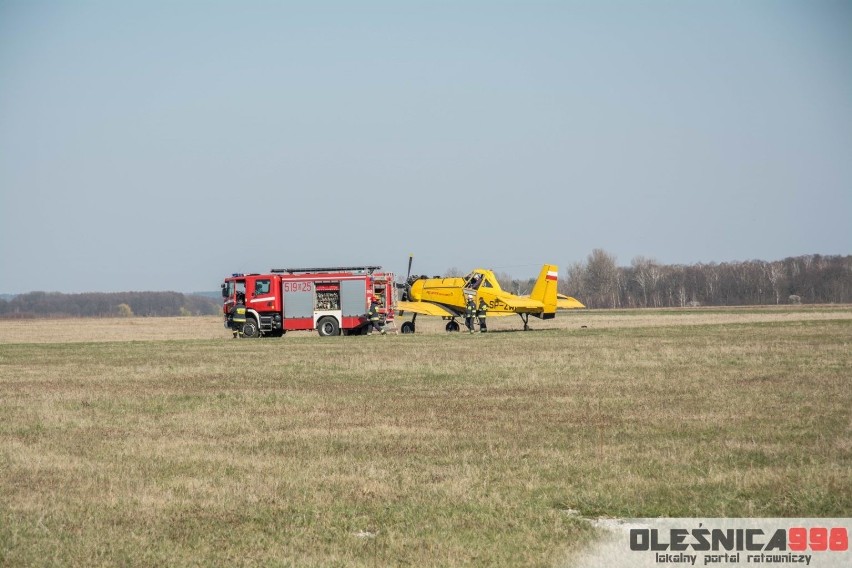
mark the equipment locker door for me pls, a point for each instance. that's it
(298, 299)
(353, 297)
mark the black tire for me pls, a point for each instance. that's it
(328, 326)
(452, 326)
(408, 327)
(250, 328)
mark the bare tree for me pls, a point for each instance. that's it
(602, 279)
(773, 272)
(646, 273)
(573, 284)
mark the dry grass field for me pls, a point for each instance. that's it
(163, 442)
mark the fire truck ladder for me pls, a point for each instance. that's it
(359, 269)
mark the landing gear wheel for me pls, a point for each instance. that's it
(328, 326)
(408, 327)
(250, 328)
(452, 326)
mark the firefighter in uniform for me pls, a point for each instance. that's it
(481, 312)
(238, 315)
(469, 313)
(374, 317)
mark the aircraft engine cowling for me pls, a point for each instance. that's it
(415, 288)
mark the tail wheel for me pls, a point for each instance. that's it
(328, 326)
(452, 326)
(250, 328)
(408, 327)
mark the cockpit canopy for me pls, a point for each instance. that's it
(480, 278)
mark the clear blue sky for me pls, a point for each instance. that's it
(159, 145)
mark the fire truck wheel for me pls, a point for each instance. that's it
(328, 326)
(250, 328)
(408, 327)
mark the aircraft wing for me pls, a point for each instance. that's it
(564, 302)
(425, 308)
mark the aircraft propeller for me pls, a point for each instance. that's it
(405, 286)
(409, 280)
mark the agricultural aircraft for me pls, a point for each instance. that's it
(447, 297)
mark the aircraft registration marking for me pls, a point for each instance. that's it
(497, 304)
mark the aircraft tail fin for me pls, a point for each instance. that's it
(545, 288)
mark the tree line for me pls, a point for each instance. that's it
(120, 304)
(813, 279)
(598, 282)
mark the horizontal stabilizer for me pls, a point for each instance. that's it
(564, 302)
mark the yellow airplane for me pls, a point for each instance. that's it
(447, 297)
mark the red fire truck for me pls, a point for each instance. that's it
(330, 300)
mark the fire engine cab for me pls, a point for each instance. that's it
(331, 300)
